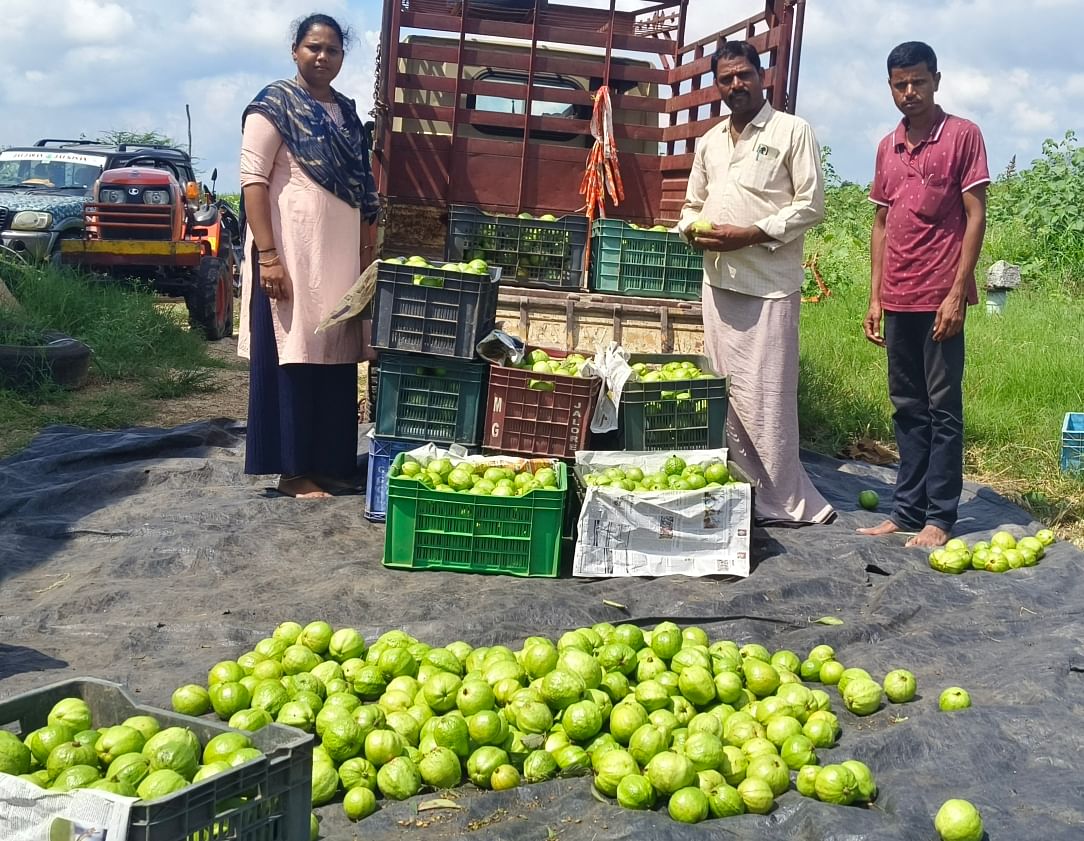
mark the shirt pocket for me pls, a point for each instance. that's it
(936, 198)
(760, 173)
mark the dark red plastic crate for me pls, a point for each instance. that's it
(527, 421)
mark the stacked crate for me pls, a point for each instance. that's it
(532, 413)
(673, 414)
(430, 387)
(547, 253)
(628, 260)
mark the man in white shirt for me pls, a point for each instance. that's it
(756, 185)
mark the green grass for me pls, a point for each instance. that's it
(141, 351)
(1025, 369)
(1023, 372)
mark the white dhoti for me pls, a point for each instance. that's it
(754, 341)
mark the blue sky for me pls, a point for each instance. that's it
(83, 66)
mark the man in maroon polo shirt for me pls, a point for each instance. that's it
(930, 190)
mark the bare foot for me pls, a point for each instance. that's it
(301, 487)
(887, 527)
(331, 483)
(929, 536)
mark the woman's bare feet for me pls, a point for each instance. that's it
(887, 527)
(301, 487)
(331, 483)
(929, 536)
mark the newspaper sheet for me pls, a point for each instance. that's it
(30, 813)
(695, 533)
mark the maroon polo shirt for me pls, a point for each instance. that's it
(923, 190)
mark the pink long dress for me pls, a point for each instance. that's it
(318, 237)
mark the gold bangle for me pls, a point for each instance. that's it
(270, 262)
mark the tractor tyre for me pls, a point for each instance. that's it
(210, 300)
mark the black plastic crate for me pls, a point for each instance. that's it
(438, 312)
(438, 401)
(673, 414)
(282, 778)
(530, 252)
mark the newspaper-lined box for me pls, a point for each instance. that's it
(636, 533)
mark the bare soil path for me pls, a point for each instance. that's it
(228, 399)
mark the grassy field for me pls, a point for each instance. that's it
(1023, 373)
(1024, 368)
(142, 351)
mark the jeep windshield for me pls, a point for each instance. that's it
(49, 169)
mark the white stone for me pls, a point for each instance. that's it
(1003, 275)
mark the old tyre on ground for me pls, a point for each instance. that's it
(60, 358)
(210, 299)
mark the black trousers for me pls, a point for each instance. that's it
(925, 383)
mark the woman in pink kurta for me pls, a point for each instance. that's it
(306, 184)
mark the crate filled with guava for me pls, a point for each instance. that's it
(649, 262)
(440, 310)
(492, 514)
(542, 405)
(658, 513)
(546, 252)
(191, 776)
(663, 719)
(672, 403)
(1001, 553)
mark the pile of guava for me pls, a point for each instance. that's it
(662, 719)
(1002, 552)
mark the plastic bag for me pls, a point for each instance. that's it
(612, 364)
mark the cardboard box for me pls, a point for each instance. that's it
(696, 533)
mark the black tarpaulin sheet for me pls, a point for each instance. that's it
(144, 556)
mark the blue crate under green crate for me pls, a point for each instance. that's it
(382, 453)
(430, 400)
(1072, 442)
(531, 252)
(637, 261)
(673, 414)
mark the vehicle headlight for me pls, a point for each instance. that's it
(156, 196)
(111, 195)
(31, 220)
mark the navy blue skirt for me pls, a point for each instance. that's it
(302, 418)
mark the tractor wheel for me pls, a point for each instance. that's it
(210, 299)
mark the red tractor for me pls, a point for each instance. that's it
(151, 220)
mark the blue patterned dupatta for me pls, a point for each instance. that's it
(335, 157)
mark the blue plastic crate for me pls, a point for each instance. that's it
(382, 452)
(1072, 442)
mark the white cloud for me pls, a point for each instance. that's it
(84, 66)
(95, 22)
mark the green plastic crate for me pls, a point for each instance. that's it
(649, 421)
(652, 264)
(429, 529)
(282, 778)
(430, 400)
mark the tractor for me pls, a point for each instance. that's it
(150, 220)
